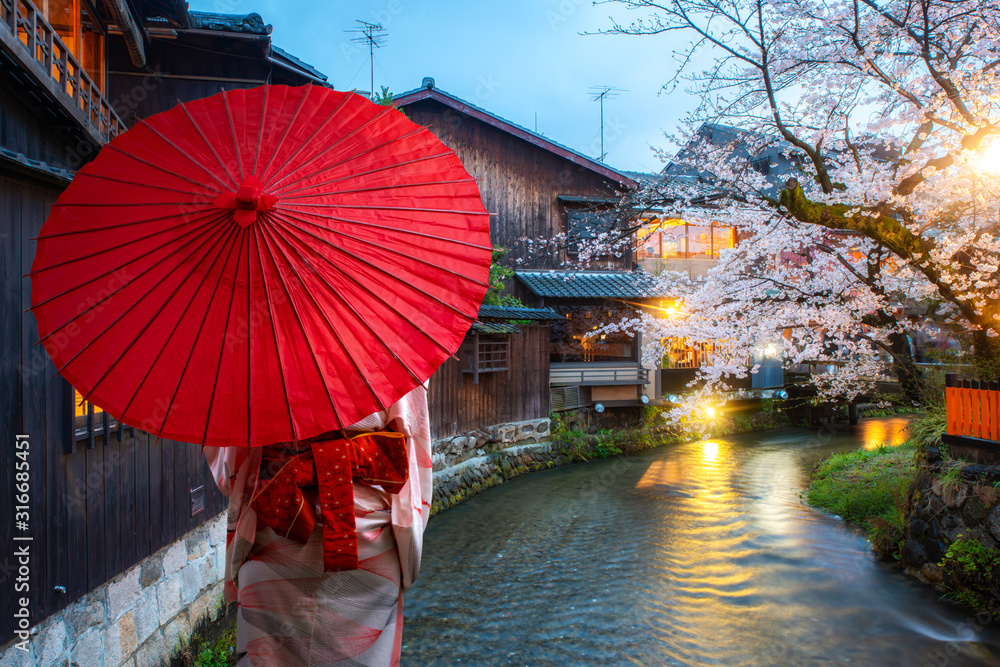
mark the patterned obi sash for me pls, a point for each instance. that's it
(287, 504)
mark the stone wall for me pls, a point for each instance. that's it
(940, 512)
(448, 452)
(141, 617)
(455, 484)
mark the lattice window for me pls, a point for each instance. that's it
(485, 354)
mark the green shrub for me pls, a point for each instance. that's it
(972, 572)
(927, 427)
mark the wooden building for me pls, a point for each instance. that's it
(532, 187)
(500, 374)
(73, 75)
(537, 189)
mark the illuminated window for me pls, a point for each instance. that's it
(76, 24)
(675, 239)
(683, 352)
(90, 421)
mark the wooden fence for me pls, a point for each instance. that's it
(973, 409)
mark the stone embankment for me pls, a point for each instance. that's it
(947, 503)
(468, 463)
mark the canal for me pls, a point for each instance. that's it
(693, 554)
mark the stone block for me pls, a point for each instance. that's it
(974, 512)
(197, 544)
(206, 607)
(220, 562)
(51, 644)
(207, 570)
(176, 634)
(152, 570)
(89, 650)
(932, 573)
(543, 427)
(147, 614)
(152, 652)
(190, 584)
(111, 637)
(11, 656)
(128, 638)
(954, 495)
(993, 522)
(987, 494)
(217, 530)
(123, 592)
(168, 597)
(174, 558)
(85, 614)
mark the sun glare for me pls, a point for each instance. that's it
(990, 160)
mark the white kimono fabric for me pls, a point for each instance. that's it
(293, 613)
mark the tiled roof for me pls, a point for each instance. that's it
(517, 313)
(590, 284)
(306, 67)
(35, 165)
(495, 328)
(251, 24)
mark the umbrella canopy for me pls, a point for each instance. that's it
(261, 266)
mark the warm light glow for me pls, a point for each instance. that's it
(710, 412)
(770, 350)
(709, 450)
(990, 159)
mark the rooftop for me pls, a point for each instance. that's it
(517, 313)
(429, 91)
(590, 284)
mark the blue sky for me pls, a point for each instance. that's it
(516, 58)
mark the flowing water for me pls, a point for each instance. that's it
(694, 554)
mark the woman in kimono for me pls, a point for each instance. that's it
(324, 538)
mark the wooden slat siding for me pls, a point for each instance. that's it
(82, 499)
(10, 375)
(33, 408)
(144, 520)
(519, 181)
(456, 405)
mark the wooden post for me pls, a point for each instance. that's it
(952, 402)
(852, 413)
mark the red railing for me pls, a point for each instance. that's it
(973, 408)
(38, 42)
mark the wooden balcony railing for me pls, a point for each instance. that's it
(26, 34)
(597, 374)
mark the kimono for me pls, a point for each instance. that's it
(305, 596)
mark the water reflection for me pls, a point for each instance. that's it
(891, 431)
(697, 554)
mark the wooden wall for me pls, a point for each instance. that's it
(456, 405)
(94, 513)
(23, 129)
(519, 181)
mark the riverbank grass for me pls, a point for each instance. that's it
(868, 488)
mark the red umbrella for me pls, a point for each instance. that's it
(261, 266)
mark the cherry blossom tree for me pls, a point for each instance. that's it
(885, 110)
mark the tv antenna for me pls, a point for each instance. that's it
(599, 94)
(374, 36)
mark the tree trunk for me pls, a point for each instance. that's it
(911, 378)
(986, 356)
